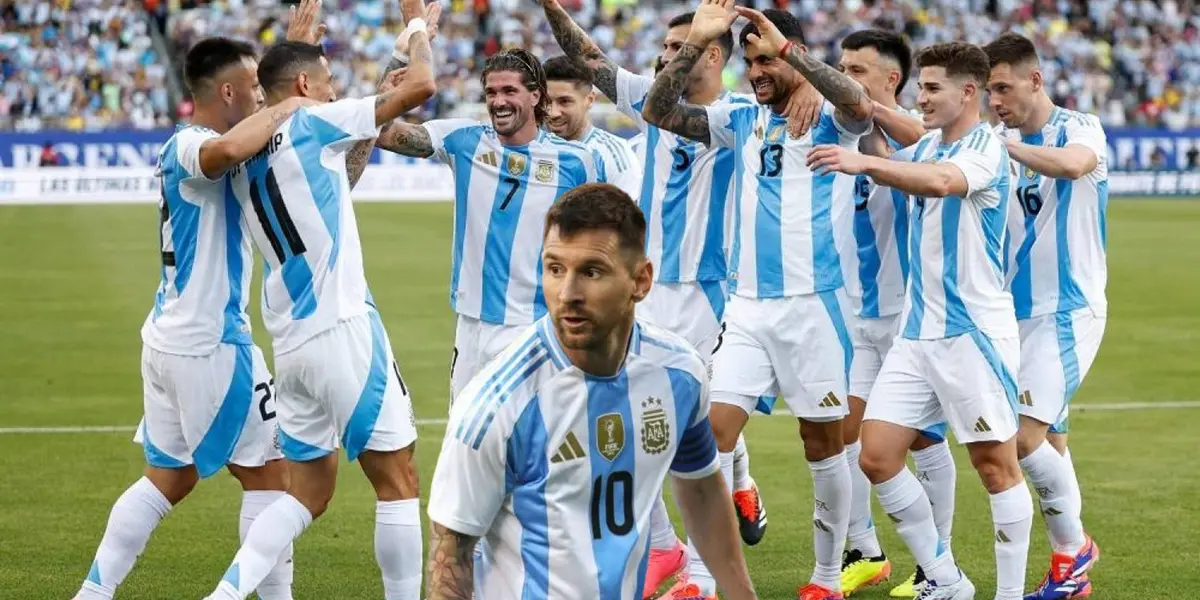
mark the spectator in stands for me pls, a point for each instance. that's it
(49, 158)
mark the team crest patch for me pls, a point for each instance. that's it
(610, 435)
(1029, 173)
(516, 164)
(758, 132)
(775, 133)
(545, 171)
(656, 433)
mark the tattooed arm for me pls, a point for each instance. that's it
(360, 154)
(407, 139)
(575, 42)
(663, 107)
(244, 140)
(852, 102)
(451, 564)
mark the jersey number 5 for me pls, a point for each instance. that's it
(604, 499)
(287, 228)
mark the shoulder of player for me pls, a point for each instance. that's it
(668, 349)
(503, 389)
(983, 139)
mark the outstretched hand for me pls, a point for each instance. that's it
(803, 109)
(433, 13)
(769, 40)
(303, 23)
(712, 19)
(827, 159)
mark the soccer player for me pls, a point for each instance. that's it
(569, 85)
(557, 450)
(878, 266)
(786, 326)
(206, 387)
(958, 350)
(507, 175)
(338, 384)
(1057, 277)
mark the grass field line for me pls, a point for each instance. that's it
(1082, 407)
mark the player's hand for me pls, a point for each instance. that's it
(433, 13)
(392, 80)
(826, 159)
(412, 9)
(803, 109)
(713, 18)
(303, 25)
(769, 40)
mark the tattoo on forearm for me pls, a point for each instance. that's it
(662, 101)
(451, 564)
(419, 50)
(576, 43)
(837, 87)
(407, 139)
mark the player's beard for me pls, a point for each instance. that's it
(508, 125)
(776, 91)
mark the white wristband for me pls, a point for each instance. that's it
(415, 25)
(400, 56)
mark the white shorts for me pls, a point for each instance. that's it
(797, 347)
(476, 343)
(1057, 350)
(965, 380)
(872, 339)
(692, 310)
(343, 387)
(208, 411)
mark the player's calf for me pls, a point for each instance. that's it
(262, 486)
(393, 474)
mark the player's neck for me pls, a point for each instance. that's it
(1039, 116)
(705, 91)
(888, 102)
(584, 132)
(210, 118)
(522, 137)
(780, 107)
(960, 127)
(608, 360)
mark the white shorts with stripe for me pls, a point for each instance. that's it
(1057, 351)
(693, 310)
(343, 388)
(965, 380)
(872, 340)
(476, 343)
(798, 347)
(207, 411)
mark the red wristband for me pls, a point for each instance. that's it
(786, 48)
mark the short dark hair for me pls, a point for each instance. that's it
(600, 207)
(960, 59)
(786, 22)
(1011, 49)
(284, 60)
(886, 43)
(533, 76)
(210, 56)
(725, 41)
(564, 68)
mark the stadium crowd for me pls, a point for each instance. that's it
(90, 64)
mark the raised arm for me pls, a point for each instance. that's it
(707, 510)
(576, 43)
(245, 139)
(905, 129)
(407, 139)
(1069, 162)
(851, 101)
(451, 564)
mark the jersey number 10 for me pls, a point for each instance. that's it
(605, 498)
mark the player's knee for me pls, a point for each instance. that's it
(392, 474)
(852, 424)
(728, 420)
(996, 464)
(1030, 436)
(271, 476)
(173, 484)
(878, 466)
(822, 439)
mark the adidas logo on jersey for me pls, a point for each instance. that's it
(569, 450)
(982, 426)
(829, 401)
(1026, 399)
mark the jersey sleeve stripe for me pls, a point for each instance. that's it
(528, 350)
(505, 395)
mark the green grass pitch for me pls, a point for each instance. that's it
(76, 283)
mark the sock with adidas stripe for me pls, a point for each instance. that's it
(935, 471)
(905, 502)
(1012, 517)
(133, 518)
(1048, 472)
(272, 532)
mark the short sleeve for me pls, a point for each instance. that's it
(979, 158)
(1085, 130)
(631, 95)
(469, 481)
(727, 122)
(849, 126)
(440, 131)
(187, 149)
(342, 123)
(697, 453)
(621, 166)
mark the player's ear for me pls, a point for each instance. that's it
(302, 83)
(1036, 78)
(643, 278)
(226, 92)
(591, 99)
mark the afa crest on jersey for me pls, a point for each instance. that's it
(610, 435)
(656, 431)
(545, 171)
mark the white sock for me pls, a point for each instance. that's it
(1012, 515)
(1048, 473)
(904, 500)
(398, 548)
(860, 532)
(741, 466)
(697, 571)
(133, 518)
(662, 532)
(935, 471)
(1073, 491)
(271, 533)
(831, 515)
(278, 583)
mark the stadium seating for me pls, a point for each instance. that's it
(91, 64)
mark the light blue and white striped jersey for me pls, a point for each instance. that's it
(501, 197)
(621, 167)
(205, 256)
(558, 470)
(784, 244)
(877, 264)
(686, 196)
(637, 143)
(295, 196)
(1058, 230)
(956, 276)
